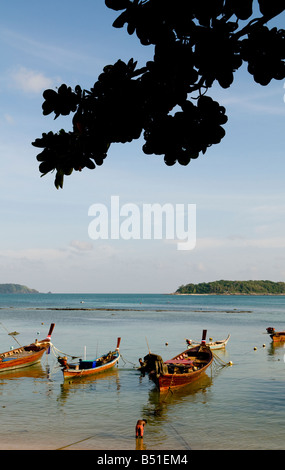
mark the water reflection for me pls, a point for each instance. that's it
(160, 407)
(276, 348)
(35, 372)
(159, 402)
(140, 444)
(111, 377)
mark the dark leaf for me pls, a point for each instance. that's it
(117, 4)
(121, 20)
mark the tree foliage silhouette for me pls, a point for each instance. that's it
(196, 42)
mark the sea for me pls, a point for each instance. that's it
(237, 405)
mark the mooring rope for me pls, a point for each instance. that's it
(125, 361)
(220, 361)
(180, 437)
(73, 443)
(57, 352)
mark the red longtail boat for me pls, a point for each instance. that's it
(25, 356)
(181, 370)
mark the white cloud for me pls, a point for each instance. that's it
(81, 246)
(68, 57)
(9, 119)
(269, 100)
(30, 81)
(239, 242)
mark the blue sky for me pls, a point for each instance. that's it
(237, 186)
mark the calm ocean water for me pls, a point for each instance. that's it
(237, 407)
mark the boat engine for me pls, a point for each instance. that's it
(154, 363)
(62, 361)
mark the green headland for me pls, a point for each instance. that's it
(16, 289)
(233, 288)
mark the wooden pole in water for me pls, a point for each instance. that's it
(147, 345)
(10, 334)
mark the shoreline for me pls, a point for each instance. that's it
(228, 294)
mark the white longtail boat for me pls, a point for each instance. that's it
(211, 344)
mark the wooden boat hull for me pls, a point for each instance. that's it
(25, 356)
(98, 366)
(73, 373)
(173, 381)
(276, 336)
(11, 363)
(182, 370)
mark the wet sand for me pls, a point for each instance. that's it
(88, 443)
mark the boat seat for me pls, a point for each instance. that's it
(184, 362)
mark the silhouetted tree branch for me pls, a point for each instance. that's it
(196, 42)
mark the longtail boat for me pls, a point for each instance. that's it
(181, 370)
(276, 336)
(221, 344)
(85, 368)
(25, 355)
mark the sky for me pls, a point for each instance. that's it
(237, 186)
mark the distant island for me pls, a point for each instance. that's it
(16, 289)
(233, 288)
